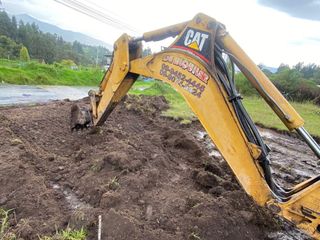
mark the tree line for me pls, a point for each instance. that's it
(44, 46)
(300, 82)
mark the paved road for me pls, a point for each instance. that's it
(22, 94)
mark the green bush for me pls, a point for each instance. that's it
(68, 63)
(296, 88)
(244, 86)
(291, 82)
(307, 91)
(24, 55)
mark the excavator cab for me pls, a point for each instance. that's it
(194, 64)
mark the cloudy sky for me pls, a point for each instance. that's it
(270, 31)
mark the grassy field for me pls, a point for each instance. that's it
(259, 111)
(262, 113)
(34, 73)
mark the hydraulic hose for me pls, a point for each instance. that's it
(246, 123)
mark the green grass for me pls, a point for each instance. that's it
(4, 217)
(67, 234)
(34, 73)
(259, 111)
(5, 233)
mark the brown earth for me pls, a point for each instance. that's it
(148, 176)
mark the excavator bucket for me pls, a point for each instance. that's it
(80, 117)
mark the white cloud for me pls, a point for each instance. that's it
(268, 36)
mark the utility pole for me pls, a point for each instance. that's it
(1, 7)
(97, 58)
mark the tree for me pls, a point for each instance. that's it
(14, 28)
(44, 46)
(283, 67)
(9, 48)
(5, 24)
(77, 47)
(24, 54)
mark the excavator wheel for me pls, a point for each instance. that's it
(80, 117)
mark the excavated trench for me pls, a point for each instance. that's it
(148, 176)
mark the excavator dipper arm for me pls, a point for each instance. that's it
(195, 66)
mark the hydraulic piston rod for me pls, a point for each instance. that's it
(309, 140)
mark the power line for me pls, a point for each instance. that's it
(96, 14)
(85, 11)
(115, 15)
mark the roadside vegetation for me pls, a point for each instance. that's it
(35, 73)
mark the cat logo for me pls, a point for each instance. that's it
(195, 39)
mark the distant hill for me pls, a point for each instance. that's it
(67, 35)
(271, 69)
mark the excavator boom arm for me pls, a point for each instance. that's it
(195, 66)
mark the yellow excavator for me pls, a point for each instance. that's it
(195, 65)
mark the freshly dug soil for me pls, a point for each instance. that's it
(147, 176)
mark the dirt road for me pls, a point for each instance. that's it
(148, 176)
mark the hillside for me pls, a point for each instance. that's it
(67, 35)
(45, 47)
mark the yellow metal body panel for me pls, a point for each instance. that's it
(115, 83)
(164, 32)
(193, 76)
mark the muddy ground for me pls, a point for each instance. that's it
(147, 176)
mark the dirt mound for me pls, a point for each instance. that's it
(148, 177)
(151, 105)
